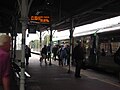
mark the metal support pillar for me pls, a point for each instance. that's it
(50, 44)
(12, 47)
(40, 40)
(71, 43)
(22, 78)
(14, 54)
(24, 15)
(15, 36)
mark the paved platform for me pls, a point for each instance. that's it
(55, 77)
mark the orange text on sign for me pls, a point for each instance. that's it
(42, 19)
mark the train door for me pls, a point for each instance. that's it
(90, 44)
(93, 55)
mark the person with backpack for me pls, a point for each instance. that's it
(63, 55)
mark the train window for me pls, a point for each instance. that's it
(109, 47)
(86, 44)
(115, 46)
(106, 47)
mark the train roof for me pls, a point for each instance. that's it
(82, 11)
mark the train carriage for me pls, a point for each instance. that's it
(100, 49)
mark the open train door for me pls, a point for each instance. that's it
(93, 57)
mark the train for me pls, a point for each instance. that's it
(100, 49)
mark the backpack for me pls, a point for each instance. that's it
(63, 53)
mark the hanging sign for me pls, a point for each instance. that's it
(41, 19)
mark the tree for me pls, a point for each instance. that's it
(46, 40)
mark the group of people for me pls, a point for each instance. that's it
(62, 54)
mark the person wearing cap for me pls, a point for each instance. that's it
(5, 62)
(78, 55)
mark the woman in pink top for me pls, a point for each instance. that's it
(5, 62)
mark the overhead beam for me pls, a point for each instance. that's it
(92, 9)
(105, 12)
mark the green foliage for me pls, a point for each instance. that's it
(46, 40)
(35, 44)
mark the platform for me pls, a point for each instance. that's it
(56, 77)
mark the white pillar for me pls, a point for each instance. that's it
(24, 15)
(71, 42)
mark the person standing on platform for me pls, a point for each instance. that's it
(78, 55)
(5, 62)
(54, 51)
(27, 54)
(44, 54)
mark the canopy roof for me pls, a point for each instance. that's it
(82, 11)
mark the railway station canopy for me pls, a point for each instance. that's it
(56, 13)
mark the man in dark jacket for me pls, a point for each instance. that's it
(27, 54)
(44, 53)
(78, 55)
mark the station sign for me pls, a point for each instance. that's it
(41, 19)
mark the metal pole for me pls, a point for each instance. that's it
(24, 14)
(40, 40)
(15, 47)
(71, 43)
(22, 78)
(50, 37)
(15, 35)
(50, 44)
(12, 53)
